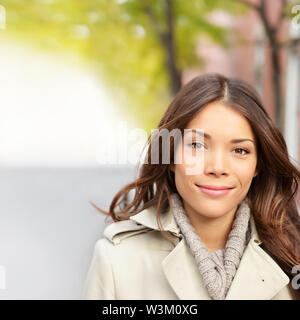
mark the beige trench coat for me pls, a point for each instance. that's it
(131, 263)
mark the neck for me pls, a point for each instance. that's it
(213, 232)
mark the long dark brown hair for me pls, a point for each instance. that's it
(272, 194)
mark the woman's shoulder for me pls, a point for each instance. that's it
(125, 246)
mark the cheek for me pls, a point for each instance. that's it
(182, 180)
(245, 173)
(180, 177)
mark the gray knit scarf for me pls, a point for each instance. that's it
(217, 268)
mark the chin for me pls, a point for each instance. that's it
(214, 214)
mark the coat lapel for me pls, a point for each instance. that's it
(182, 273)
(258, 275)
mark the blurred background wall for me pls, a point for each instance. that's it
(73, 72)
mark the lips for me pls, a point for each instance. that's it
(214, 187)
(214, 190)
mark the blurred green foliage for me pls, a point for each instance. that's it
(121, 41)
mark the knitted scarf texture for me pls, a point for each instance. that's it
(217, 268)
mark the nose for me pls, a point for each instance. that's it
(216, 163)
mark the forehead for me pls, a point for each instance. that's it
(221, 121)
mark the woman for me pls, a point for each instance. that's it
(228, 230)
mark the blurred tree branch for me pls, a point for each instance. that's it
(167, 41)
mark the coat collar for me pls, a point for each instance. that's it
(258, 275)
(147, 218)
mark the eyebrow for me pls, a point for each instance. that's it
(207, 136)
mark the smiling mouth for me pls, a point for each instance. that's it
(214, 190)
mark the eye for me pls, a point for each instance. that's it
(195, 143)
(242, 150)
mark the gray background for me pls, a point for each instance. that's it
(48, 228)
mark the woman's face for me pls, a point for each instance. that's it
(225, 162)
